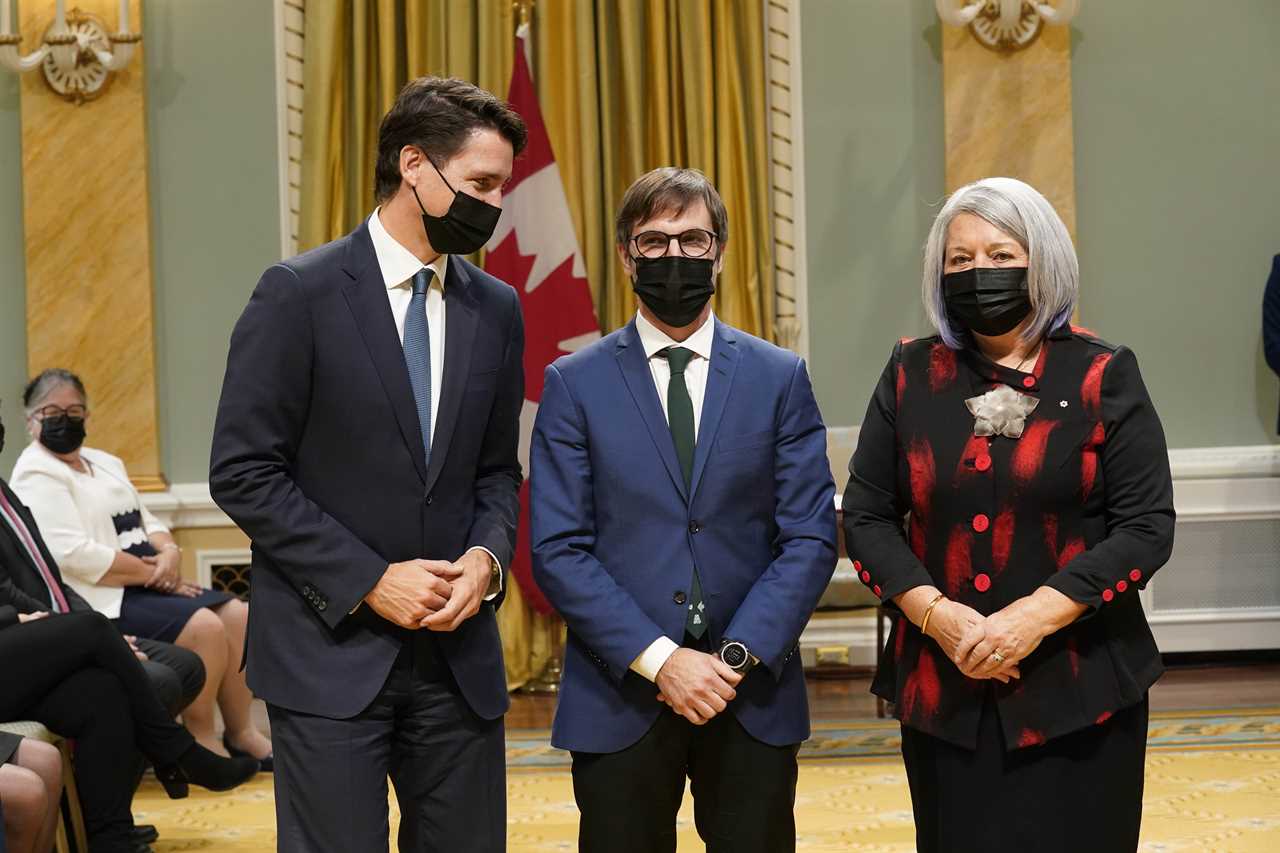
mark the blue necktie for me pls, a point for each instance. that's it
(417, 352)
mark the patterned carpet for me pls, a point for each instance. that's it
(1213, 783)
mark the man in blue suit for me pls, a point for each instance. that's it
(683, 524)
(366, 442)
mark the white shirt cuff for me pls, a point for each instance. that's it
(495, 586)
(651, 659)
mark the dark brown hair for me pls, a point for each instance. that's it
(670, 190)
(437, 114)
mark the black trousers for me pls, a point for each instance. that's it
(447, 764)
(1081, 791)
(75, 674)
(744, 791)
(176, 674)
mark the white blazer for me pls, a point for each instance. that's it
(75, 513)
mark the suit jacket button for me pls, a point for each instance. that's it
(320, 605)
(679, 597)
(695, 527)
(430, 498)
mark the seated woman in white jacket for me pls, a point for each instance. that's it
(124, 562)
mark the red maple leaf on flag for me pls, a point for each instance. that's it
(557, 310)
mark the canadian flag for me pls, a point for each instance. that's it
(535, 250)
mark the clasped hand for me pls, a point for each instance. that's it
(432, 594)
(696, 685)
(976, 643)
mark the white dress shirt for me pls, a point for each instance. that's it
(654, 341)
(398, 266)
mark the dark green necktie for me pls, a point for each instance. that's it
(680, 418)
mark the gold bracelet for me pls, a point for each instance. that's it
(928, 611)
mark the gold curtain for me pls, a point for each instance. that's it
(625, 86)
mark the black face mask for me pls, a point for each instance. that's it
(62, 434)
(465, 227)
(990, 302)
(674, 288)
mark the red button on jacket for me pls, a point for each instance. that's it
(982, 582)
(981, 523)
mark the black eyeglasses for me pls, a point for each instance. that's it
(74, 412)
(694, 243)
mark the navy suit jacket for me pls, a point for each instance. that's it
(1271, 318)
(318, 457)
(616, 534)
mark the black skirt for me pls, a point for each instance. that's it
(1081, 791)
(8, 747)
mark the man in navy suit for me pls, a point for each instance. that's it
(683, 524)
(366, 442)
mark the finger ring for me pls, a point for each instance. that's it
(999, 658)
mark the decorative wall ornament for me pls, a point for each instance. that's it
(1006, 24)
(77, 53)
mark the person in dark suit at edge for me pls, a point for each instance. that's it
(1271, 320)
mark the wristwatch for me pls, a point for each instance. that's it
(495, 575)
(735, 655)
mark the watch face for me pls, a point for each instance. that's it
(734, 654)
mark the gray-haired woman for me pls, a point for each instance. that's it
(125, 563)
(1033, 469)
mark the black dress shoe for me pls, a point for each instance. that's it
(145, 833)
(199, 766)
(266, 765)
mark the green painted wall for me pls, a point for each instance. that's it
(214, 205)
(874, 164)
(13, 300)
(1177, 133)
(1177, 123)
(215, 202)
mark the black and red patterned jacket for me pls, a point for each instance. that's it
(1082, 502)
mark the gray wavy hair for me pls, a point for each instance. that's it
(46, 382)
(1019, 210)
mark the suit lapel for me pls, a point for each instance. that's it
(28, 581)
(639, 379)
(720, 372)
(367, 298)
(459, 341)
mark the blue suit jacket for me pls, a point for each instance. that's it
(616, 534)
(318, 457)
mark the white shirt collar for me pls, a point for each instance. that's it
(397, 263)
(654, 340)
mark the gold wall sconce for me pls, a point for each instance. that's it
(77, 53)
(1006, 25)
